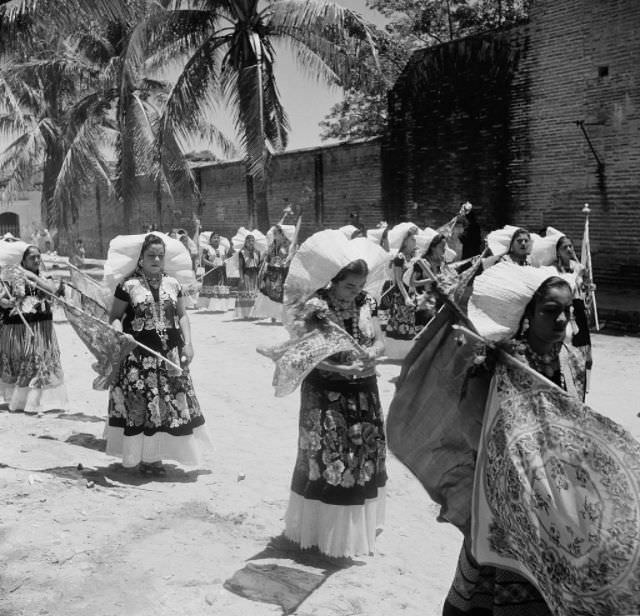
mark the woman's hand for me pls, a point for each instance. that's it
(187, 354)
(7, 303)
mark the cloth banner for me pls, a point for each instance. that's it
(295, 358)
(91, 289)
(587, 278)
(557, 497)
(106, 344)
(424, 426)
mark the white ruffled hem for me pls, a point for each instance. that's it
(159, 447)
(336, 530)
(265, 308)
(32, 400)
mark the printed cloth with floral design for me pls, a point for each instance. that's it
(341, 447)
(149, 396)
(274, 274)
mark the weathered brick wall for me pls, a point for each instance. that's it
(582, 66)
(518, 153)
(330, 182)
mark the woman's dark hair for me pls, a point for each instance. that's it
(25, 254)
(517, 233)
(358, 267)
(562, 239)
(439, 238)
(151, 240)
(555, 282)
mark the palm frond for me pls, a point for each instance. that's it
(84, 159)
(21, 159)
(337, 37)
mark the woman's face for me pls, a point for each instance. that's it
(31, 261)
(551, 315)
(409, 245)
(214, 240)
(437, 251)
(152, 261)
(250, 243)
(521, 245)
(565, 250)
(349, 287)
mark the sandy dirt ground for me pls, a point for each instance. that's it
(79, 537)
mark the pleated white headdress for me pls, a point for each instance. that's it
(500, 296)
(323, 255)
(124, 254)
(241, 235)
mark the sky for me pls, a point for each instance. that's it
(306, 101)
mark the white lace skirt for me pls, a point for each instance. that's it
(336, 530)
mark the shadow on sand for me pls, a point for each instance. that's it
(287, 585)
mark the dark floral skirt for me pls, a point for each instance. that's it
(402, 318)
(149, 397)
(272, 284)
(489, 591)
(341, 446)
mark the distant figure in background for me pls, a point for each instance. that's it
(471, 238)
(79, 254)
(249, 260)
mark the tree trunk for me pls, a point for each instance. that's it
(51, 213)
(261, 204)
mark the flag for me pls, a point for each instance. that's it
(587, 277)
(557, 496)
(424, 426)
(295, 358)
(90, 321)
(90, 288)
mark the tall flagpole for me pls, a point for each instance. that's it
(585, 259)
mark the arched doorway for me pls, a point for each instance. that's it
(9, 223)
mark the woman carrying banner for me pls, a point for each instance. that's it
(154, 414)
(556, 249)
(539, 484)
(401, 326)
(337, 491)
(273, 272)
(31, 377)
(432, 262)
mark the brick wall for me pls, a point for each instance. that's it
(516, 151)
(330, 182)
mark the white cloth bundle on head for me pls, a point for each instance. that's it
(11, 253)
(323, 255)
(288, 230)
(499, 241)
(124, 254)
(375, 235)
(500, 296)
(348, 230)
(205, 238)
(544, 248)
(241, 235)
(423, 243)
(398, 234)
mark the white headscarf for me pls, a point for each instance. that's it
(398, 234)
(544, 250)
(323, 255)
(124, 254)
(499, 241)
(260, 239)
(501, 295)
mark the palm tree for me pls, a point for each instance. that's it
(74, 101)
(229, 56)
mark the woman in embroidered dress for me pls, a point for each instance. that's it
(567, 263)
(154, 414)
(337, 490)
(31, 378)
(433, 257)
(401, 326)
(274, 271)
(249, 260)
(214, 282)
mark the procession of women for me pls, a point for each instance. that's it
(492, 339)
